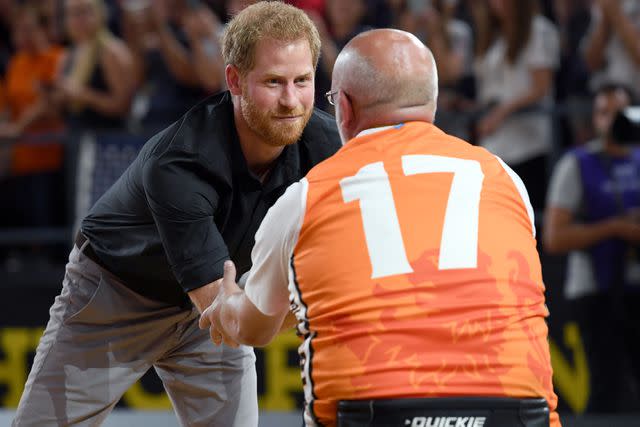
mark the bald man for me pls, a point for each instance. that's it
(413, 310)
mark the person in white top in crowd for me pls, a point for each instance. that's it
(451, 41)
(517, 53)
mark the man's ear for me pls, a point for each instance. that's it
(233, 78)
(347, 117)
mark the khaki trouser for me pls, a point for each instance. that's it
(102, 337)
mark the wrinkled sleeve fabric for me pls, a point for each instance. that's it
(183, 204)
(267, 286)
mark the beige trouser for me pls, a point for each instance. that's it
(102, 337)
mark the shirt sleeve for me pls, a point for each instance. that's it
(268, 281)
(522, 190)
(565, 187)
(543, 50)
(183, 203)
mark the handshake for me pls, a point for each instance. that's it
(218, 317)
(234, 320)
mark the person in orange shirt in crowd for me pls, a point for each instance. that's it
(31, 73)
(413, 308)
(5, 148)
(31, 186)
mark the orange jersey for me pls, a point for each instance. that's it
(414, 273)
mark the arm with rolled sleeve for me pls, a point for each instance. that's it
(183, 204)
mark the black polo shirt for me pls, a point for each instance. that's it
(189, 202)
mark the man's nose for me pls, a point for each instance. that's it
(289, 97)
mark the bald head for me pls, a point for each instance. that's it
(388, 72)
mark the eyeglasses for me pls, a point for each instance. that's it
(331, 97)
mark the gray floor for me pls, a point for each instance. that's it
(125, 418)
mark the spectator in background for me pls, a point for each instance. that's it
(176, 45)
(235, 6)
(95, 91)
(54, 13)
(30, 193)
(98, 82)
(317, 6)
(593, 214)
(6, 12)
(5, 149)
(204, 31)
(517, 53)
(612, 47)
(31, 72)
(573, 19)
(344, 21)
(401, 15)
(451, 42)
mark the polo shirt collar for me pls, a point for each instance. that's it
(378, 129)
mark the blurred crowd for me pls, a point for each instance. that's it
(506, 68)
(519, 77)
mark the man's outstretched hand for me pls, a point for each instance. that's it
(222, 328)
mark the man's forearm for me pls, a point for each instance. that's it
(203, 297)
(245, 324)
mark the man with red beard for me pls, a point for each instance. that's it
(149, 256)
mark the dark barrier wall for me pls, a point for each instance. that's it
(568, 357)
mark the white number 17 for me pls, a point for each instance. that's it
(459, 242)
